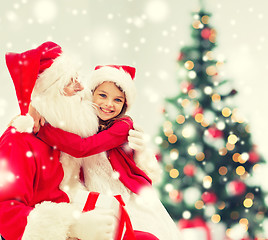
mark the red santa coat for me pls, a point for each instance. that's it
(31, 204)
(113, 141)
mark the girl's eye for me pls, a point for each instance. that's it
(102, 95)
(118, 100)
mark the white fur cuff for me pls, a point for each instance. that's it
(49, 220)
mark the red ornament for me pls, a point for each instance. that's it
(209, 197)
(236, 188)
(186, 86)
(189, 170)
(180, 57)
(176, 196)
(215, 132)
(205, 33)
(158, 157)
(253, 157)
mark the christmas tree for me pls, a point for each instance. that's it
(206, 147)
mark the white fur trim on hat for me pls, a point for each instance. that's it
(121, 78)
(59, 74)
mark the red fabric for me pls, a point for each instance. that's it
(25, 67)
(130, 70)
(91, 201)
(26, 179)
(139, 235)
(112, 140)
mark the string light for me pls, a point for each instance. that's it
(192, 93)
(223, 170)
(174, 173)
(185, 102)
(180, 119)
(192, 150)
(232, 139)
(240, 170)
(207, 181)
(211, 70)
(197, 24)
(189, 65)
(230, 147)
(250, 195)
(199, 117)
(223, 151)
(212, 37)
(216, 97)
(243, 157)
(236, 157)
(226, 112)
(199, 204)
(172, 138)
(200, 156)
(192, 74)
(174, 154)
(216, 218)
(188, 131)
(205, 19)
(208, 56)
(248, 203)
(208, 90)
(221, 205)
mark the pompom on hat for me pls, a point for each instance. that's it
(36, 70)
(121, 75)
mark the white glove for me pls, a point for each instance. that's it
(144, 157)
(94, 225)
(136, 139)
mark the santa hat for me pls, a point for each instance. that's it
(121, 75)
(36, 70)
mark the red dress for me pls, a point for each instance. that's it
(30, 173)
(113, 141)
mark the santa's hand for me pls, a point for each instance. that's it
(136, 139)
(38, 119)
(94, 225)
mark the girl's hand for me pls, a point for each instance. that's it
(136, 139)
(38, 119)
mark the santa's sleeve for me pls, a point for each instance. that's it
(19, 219)
(77, 147)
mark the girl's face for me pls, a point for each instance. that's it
(109, 99)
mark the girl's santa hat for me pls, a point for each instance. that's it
(121, 75)
(35, 70)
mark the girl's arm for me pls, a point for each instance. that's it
(76, 146)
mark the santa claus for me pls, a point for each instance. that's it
(32, 205)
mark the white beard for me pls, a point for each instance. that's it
(73, 114)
